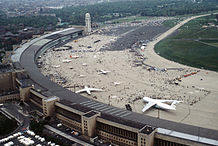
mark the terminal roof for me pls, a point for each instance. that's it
(75, 106)
(54, 37)
(90, 114)
(70, 31)
(122, 121)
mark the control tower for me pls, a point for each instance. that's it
(88, 23)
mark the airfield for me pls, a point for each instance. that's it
(126, 50)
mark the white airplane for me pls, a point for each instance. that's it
(113, 96)
(74, 57)
(56, 66)
(103, 71)
(84, 64)
(81, 76)
(88, 90)
(117, 83)
(66, 61)
(158, 103)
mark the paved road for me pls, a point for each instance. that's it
(13, 111)
(67, 136)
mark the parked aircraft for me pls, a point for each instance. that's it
(56, 66)
(114, 97)
(117, 83)
(81, 76)
(84, 64)
(159, 103)
(74, 57)
(103, 71)
(88, 90)
(66, 61)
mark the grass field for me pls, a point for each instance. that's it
(194, 44)
(6, 125)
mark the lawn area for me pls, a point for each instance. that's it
(6, 125)
(195, 44)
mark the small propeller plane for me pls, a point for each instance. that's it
(88, 90)
(74, 57)
(103, 72)
(116, 83)
(56, 66)
(66, 61)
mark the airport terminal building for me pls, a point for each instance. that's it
(92, 119)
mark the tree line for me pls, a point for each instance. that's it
(29, 21)
(107, 11)
(103, 12)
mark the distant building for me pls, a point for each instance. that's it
(88, 28)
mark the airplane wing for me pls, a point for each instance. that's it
(147, 106)
(166, 106)
(94, 89)
(170, 101)
(82, 90)
(88, 91)
(175, 102)
(162, 100)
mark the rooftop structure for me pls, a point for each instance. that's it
(88, 23)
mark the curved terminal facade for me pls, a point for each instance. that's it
(89, 117)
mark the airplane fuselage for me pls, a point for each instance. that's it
(159, 104)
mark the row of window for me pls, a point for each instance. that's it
(85, 131)
(68, 114)
(85, 125)
(70, 123)
(160, 142)
(8, 97)
(117, 131)
(115, 139)
(36, 98)
(5, 89)
(143, 142)
(5, 75)
(45, 109)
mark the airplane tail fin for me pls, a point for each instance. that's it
(174, 103)
(174, 106)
